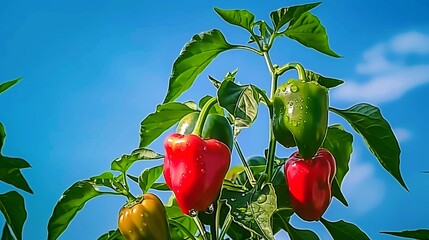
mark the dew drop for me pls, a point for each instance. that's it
(193, 213)
(300, 107)
(243, 194)
(205, 148)
(210, 209)
(294, 123)
(286, 119)
(145, 214)
(233, 199)
(239, 216)
(293, 88)
(203, 171)
(262, 198)
(144, 224)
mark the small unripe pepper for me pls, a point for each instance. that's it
(309, 183)
(144, 219)
(215, 127)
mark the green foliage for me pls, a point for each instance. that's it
(324, 81)
(378, 135)
(126, 161)
(6, 85)
(156, 123)
(420, 234)
(344, 230)
(308, 31)
(13, 208)
(339, 143)
(12, 204)
(196, 55)
(70, 203)
(149, 176)
(252, 210)
(112, 235)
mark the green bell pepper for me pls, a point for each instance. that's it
(301, 115)
(215, 127)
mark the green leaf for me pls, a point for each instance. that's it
(196, 55)
(112, 235)
(13, 208)
(253, 210)
(70, 203)
(377, 134)
(123, 163)
(106, 179)
(241, 101)
(283, 15)
(300, 234)
(180, 229)
(2, 136)
(241, 18)
(165, 117)
(340, 144)
(214, 109)
(149, 176)
(420, 234)
(324, 81)
(6, 85)
(6, 234)
(344, 230)
(265, 31)
(337, 193)
(230, 76)
(308, 31)
(160, 187)
(10, 172)
(281, 218)
(176, 217)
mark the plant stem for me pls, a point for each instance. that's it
(247, 170)
(203, 116)
(272, 139)
(299, 68)
(249, 49)
(217, 218)
(226, 224)
(200, 227)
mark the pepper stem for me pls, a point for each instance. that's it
(203, 116)
(299, 68)
(200, 227)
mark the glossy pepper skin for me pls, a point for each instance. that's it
(215, 127)
(144, 219)
(309, 183)
(301, 115)
(194, 169)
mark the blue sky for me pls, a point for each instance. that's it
(94, 69)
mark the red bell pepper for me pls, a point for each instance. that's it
(309, 182)
(194, 169)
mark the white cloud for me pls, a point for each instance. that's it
(362, 179)
(411, 42)
(402, 134)
(388, 80)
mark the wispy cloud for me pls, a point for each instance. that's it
(402, 134)
(356, 182)
(388, 80)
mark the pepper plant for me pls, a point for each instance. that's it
(12, 204)
(211, 199)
